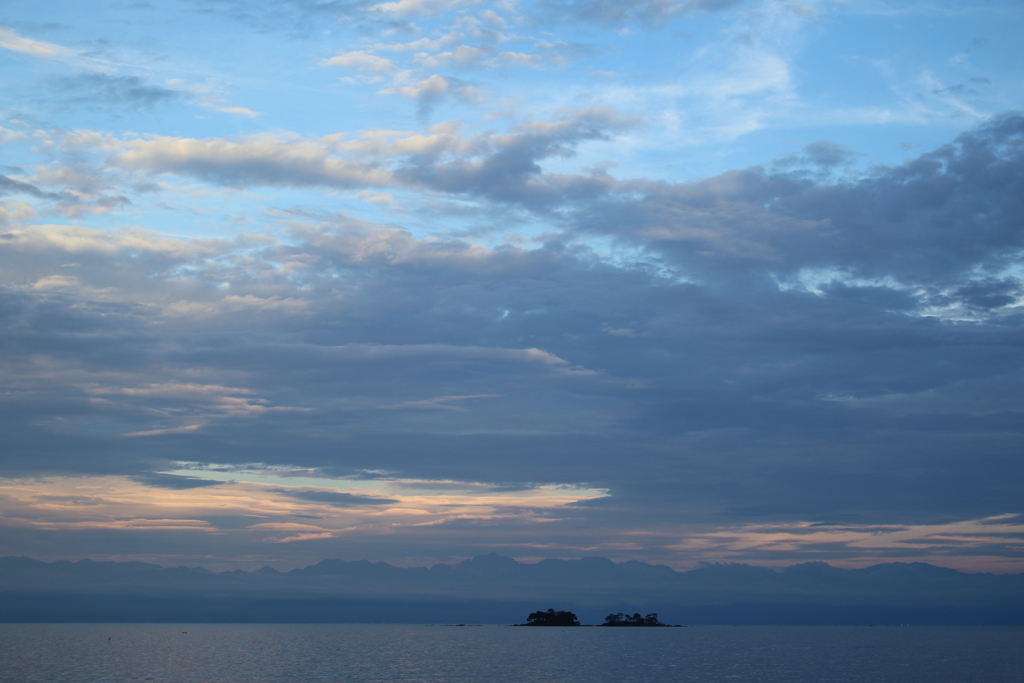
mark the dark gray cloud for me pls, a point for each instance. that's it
(335, 498)
(784, 348)
(618, 13)
(823, 154)
(64, 201)
(499, 168)
(10, 186)
(174, 481)
(109, 90)
(969, 87)
(233, 522)
(931, 221)
(510, 171)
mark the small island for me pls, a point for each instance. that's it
(620, 619)
(564, 618)
(551, 618)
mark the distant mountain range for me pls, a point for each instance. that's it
(495, 589)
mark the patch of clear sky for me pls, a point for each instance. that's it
(883, 83)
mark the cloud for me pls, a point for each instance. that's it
(422, 7)
(361, 60)
(111, 90)
(221, 106)
(729, 358)
(15, 212)
(425, 44)
(430, 92)
(231, 303)
(70, 202)
(10, 40)
(437, 403)
(334, 498)
(9, 186)
(462, 56)
(618, 12)
(262, 161)
(827, 154)
(968, 87)
(183, 429)
(174, 482)
(512, 173)
(8, 136)
(531, 61)
(73, 239)
(822, 153)
(683, 315)
(502, 167)
(916, 223)
(370, 352)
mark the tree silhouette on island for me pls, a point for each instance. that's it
(563, 618)
(551, 618)
(620, 619)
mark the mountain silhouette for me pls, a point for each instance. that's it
(812, 592)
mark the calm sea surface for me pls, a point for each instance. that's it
(226, 653)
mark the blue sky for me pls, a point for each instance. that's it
(419, 280)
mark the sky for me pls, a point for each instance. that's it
(673, 281)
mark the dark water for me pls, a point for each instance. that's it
(229, 653)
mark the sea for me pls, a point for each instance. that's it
(379, 653)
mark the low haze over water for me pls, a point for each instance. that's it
(271, 653)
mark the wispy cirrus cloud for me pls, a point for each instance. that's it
(12, 40)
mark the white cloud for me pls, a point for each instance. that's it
(462, 56)
(15, 212)
(7, 136)
(437, 403)
(422, 7)
(385, 352)
(246, 303)
(423, 44)
(361, 60)
(184, 429)
(80, 240)
(520, 59)
(237, 111)
(55, 282)
(433, 87)
(10, 40)
(263, 160)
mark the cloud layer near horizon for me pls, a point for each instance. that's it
(436, 342)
